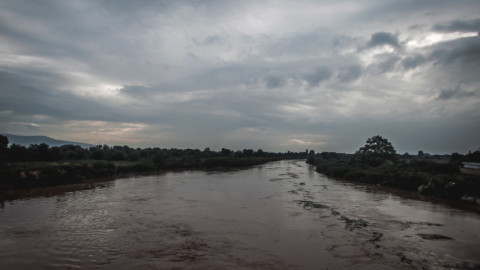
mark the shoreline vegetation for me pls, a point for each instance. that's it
(24, 169)
(41, 166)
(377, 163)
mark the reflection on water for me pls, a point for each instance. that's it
(282, 215)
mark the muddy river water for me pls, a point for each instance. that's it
(280, 215)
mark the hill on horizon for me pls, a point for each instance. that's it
(28, 140)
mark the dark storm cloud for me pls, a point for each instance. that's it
(24, 99)
(384, 63)
(383, 38)
(459, 26)
(414, 61)
(464, 50)
(98, 38)
(349, 73)
(318, 75)
(23, 96)
(455, 93)
(273, 81)
(50, 28)
(28, 76)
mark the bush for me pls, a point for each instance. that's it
(356, 176)
(374, 162)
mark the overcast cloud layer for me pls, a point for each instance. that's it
(275, 75)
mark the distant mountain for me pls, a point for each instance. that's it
(28, 140)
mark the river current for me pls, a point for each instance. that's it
(280, 215)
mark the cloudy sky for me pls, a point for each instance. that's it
(276, 75)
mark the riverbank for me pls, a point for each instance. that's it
(30, 175)
(429, 177)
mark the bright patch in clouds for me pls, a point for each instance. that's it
(307, 143)
(434, 38)
(110, 133)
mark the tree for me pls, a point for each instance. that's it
(3, 148)
(247, 152)
(226, 152)
(260, 153)
(18, 153)
(377, 146)
(40, 152)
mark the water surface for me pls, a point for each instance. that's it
(281, 215)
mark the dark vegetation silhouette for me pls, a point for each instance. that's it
(377, 146)
(40, 165)
(377, 163)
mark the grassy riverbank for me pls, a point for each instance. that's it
(42, 165)
(25, 175)
(431, 177)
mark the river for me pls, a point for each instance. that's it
(280, 215)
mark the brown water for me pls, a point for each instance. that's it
(281, 215)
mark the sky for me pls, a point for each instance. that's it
(271, 75)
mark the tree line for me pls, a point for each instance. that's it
(45, 153)
(41, 165)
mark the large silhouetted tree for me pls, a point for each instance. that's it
(377, 146)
